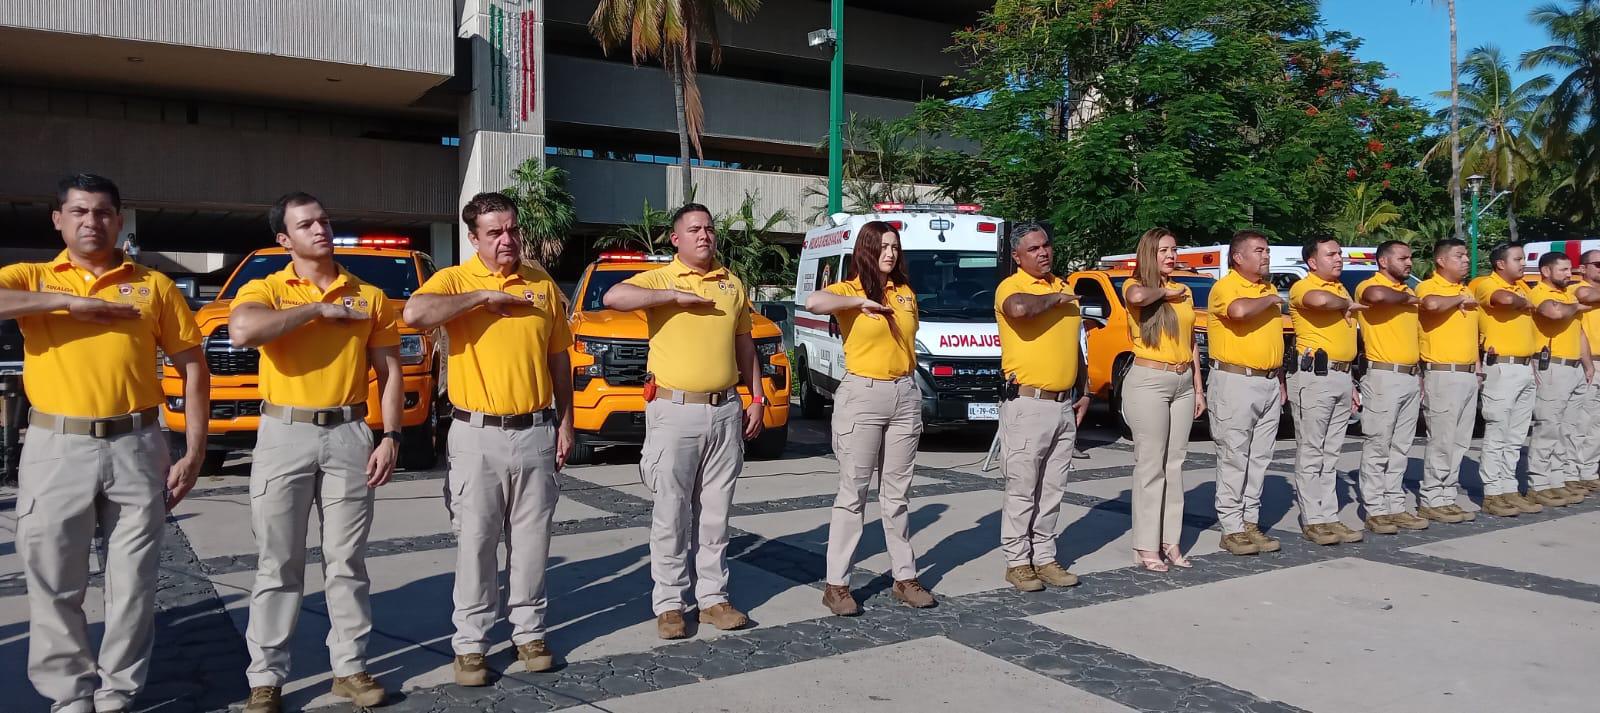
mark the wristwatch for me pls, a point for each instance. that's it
(394, 436)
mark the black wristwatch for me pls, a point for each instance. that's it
(393, 436)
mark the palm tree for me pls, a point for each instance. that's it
(1570, 125)
(1365, 215)
(744, 244)
(545, 211)
(1498, 118)
(671, 31)
(883, 162)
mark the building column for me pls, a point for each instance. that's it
(502, 124)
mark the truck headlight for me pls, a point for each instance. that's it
(768, 348)
(411, 349)
(587, 346)
(922, 348)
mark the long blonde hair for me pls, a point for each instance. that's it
(1159, 320)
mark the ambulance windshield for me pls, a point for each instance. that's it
(953, 285)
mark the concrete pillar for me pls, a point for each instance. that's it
(441, 244)
(502, 124)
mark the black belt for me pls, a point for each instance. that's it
(1562, 361)
(514, 422)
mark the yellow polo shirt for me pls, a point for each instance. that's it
(1039, 351)
(1590, 319)
(1561, 335)
(1509, 332)
(1168, 351)
(87, 370)
(322, 364)
(691, 349)
(1321, 329)
(1256, 342)
(870, 349)
(1449, 337)
(501, 365)
(1392, 332)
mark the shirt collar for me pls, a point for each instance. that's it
(479, 268)
(64, 262)
(290, 277)
(680, 269)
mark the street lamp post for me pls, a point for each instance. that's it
(834, 37)
(1476, 181)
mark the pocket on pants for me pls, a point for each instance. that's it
(649, 461)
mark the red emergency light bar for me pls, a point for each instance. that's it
(373, 241)
(631, 256)
(926, 207)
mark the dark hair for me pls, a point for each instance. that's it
(1590, 255)
(88, 183)
(1498, 252)
(282, 206)
(1316, 241)
(1548, 259)
(1387, 247)
(686, 209)
(1444, 246)
(483, 203)
(864, 258)
(1242, 237)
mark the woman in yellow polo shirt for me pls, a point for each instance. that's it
(877, 412)
(1161, 398)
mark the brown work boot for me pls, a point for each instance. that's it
(1575, 493)
(1406, 521)
(724, 617)
(1439, 514)
(536, 656)
(1548, 497)
(1024, 578)
(359, 687)
(838, 599)
(1381, 525)
(471, 670)
(669, 625)
(913, 594)
(1055, 575)
(1522, 503)
(1345, 534)
(1465, 515)
(1499, 506)
(264, 699)
(1238, 543)
(1320, 535)
(1261, 539)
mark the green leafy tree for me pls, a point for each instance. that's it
(1112, 116)
(1367, 218)
(883, 162)
(746, 247)
(650, 234)
(1569, 122)
(545, 211)
(671, 31)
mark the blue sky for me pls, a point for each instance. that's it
(1413, 38)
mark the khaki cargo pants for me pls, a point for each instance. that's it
(1158, 407)
(1508, 401)
(1389, 409)
(1589, 433)
(1557, 420)
(502, 486)
(1321, 415)
(1450, 402)
(1036, 439)
(1244, 412)
(876, 427)
(297, 468)
(692, 456)
(67, 484)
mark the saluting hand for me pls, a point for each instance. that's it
(1468, 303)
(92, 309)
(690, 299)
(181, 478)
(1063, 298)
(1172, 294)
(873, 309)
(380, 465)
(502, 303)
(335, 312)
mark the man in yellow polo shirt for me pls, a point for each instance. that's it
(1391, 389)
(1587, 290)
(1506, 323)
(1245, 390)
(1565, 369)
(700, 350)
(1447, 316)
(91, 321)
(510, 381)
(319, 329)
(1321, 390)
(1043, 402)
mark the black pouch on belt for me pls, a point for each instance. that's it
(1544, 359)
(1305, 361)
(1319, 362)
(1008, 392)
(1489, 357)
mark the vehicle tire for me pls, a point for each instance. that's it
(211, 465)
(1119, 374)
(810, 400)
(10, 454)
(418, 446)
(770, 444)
(582, 452)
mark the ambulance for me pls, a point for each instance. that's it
(1571, 248)
(951, 253)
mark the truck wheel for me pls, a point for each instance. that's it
(418, 449)
(582, 452)
(1119, 374)
(806, 394)
(211, 465)
(770, 444)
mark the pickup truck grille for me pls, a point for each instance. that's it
(227, 360)
(229, 410)
(624, 363)
(970, 376)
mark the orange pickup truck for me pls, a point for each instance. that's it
(385, 262)
(608, 364)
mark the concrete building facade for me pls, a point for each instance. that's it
(394, 111)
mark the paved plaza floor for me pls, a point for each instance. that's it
(1497, 614)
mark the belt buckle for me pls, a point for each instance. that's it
(718, 399)
(100, 428)
(321, 418)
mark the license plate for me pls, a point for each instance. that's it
(983, 412)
